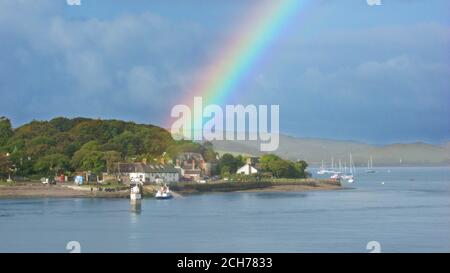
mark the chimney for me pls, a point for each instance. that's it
(193, 164)
(177, 163)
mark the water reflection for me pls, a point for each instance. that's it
(136, 206)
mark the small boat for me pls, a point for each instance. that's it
(336, 175)
(370, 166)
(349, 177)
(322, 169)
(164, 193)
(135, 193)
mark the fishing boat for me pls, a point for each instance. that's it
(370, 166)
(164, 193)
(135, 193)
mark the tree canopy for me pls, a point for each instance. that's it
(64, 145)
(283, 168)
(229, 164)
(5, 165)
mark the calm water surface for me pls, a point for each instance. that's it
(410, 212)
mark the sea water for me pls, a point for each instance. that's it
(401, 209)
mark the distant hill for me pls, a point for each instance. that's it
(315, 150)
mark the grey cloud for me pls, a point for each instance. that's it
(92, 66)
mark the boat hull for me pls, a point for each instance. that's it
(164, 197)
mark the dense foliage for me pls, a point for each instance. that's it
(5, 165)
(269, 164)
(64, 145)
(283, 168)
(228, 164)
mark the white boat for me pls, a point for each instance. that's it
(349, 177)
(336, 175)
(370, 166)
(135, 193)
(346, 175)
(163, 193)
(322, 169)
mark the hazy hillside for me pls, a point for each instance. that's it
(316, 150)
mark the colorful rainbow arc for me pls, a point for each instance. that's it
(219, 80)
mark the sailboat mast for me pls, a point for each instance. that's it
(351, 164)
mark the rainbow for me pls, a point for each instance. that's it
(219, 80)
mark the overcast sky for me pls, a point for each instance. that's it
(339, 69)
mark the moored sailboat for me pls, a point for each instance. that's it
(370, 166)
(349, 177)
(322, 169)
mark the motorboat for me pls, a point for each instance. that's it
(164, 193)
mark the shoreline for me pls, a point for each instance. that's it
(294, 188)
(68, 190)
(37, 190)
(300, 185)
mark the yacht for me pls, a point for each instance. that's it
(349, 177)
(322, 169)
(370, 166)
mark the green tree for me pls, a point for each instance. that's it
(230, 163)
(225, 171)
(89, 144)
(301, 166)
(93, 161)
(6, 131)
(266, 161)
(87, 158)
(5, 165)
(283, 168)
(129, 143)
(111, 158)
(62, 124)
(52, 164)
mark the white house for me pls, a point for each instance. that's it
(150, 173)
(247, 169)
